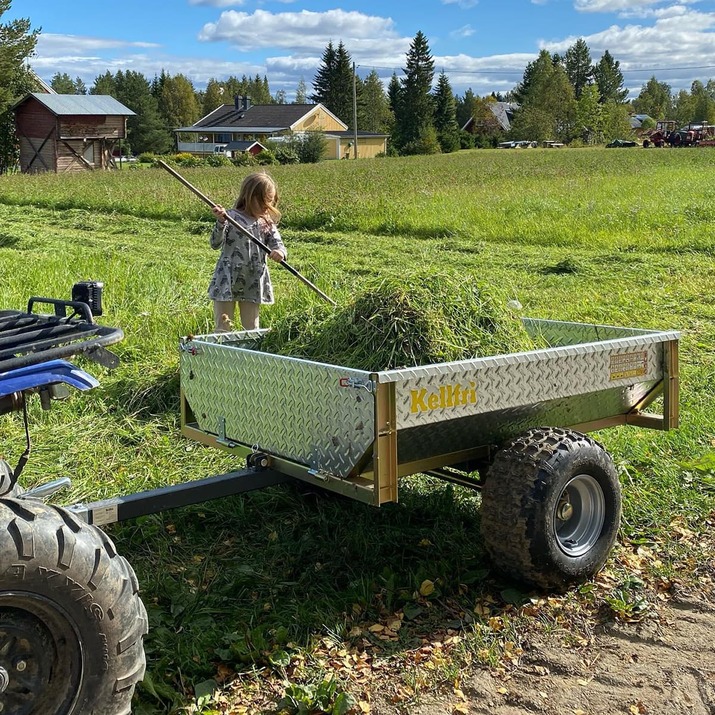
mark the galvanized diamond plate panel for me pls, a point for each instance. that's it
(318, 415)
(448, 391)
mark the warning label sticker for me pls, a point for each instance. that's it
(628, 365)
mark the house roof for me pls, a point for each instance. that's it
(503, 112)
(74, 104)
(638, 119)
(257, 118)
(242, 145)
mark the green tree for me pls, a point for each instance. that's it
(415, 111)
(465, 107)
(579, 67)
(214, 96)
(301, 92)
(146, 131)
(609, 79)
(703, 103)
(614, 121)
(374, 113)
(62, 83)
(333, 83)
(445, 115)
(547, 104)
(394, 101)
(486, 129)
(588, 115)
(683, 108)
(323, 80)
(178, 103)
(104, 84)
(17, 44)
(655, 100)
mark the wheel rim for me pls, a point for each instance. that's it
(40, 654)
(579, 515)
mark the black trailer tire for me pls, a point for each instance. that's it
(551, 508)
(71, 620)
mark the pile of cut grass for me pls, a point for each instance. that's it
(394, 324)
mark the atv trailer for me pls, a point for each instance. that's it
(512, 426)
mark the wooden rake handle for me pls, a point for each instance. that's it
(246, 233)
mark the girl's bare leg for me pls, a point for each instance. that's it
(249, 315)
(223, 315)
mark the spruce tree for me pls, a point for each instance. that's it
(323, 81)
(609, 79)
(415, 113)
(333, 83)
(146, 131)
(579, 67)
(445, 115)
(374, 113)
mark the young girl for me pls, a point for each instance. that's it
(241, 273)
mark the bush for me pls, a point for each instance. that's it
(244, 158)
(217, 160)
(265, 158)
(147, 157)
(311, 146)
(286, 154)
(187, 160)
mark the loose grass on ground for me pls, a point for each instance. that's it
(282, 586)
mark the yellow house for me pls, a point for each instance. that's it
(243, 121)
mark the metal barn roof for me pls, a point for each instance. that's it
(73, 104)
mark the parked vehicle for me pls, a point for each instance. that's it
(695, 134)
(71, 620)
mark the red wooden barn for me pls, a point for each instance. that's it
(69, 132)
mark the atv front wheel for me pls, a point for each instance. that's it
(71, 620)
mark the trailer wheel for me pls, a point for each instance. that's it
(551, 507)
(71, 620)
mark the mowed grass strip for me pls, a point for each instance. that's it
(608, 236)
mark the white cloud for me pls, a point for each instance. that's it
(464, 31)
(678, 39)
(624, 8)
(464, 4)
(53, 44)
(302, 32)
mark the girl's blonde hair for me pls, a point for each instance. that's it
(258, 197)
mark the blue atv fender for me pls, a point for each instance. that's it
(46, 373)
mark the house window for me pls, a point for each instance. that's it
(225, 138)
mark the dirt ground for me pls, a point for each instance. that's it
(663, 666)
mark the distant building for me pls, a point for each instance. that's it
(503, 114)
(69, 132)
(243, 121)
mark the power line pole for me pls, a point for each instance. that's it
(355, 131)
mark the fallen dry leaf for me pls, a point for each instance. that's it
(427, 587)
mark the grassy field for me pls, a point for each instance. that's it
(301, 598)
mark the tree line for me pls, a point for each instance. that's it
(565, 98)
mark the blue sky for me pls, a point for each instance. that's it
(482, 44)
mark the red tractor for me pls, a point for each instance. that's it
(659, 136)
